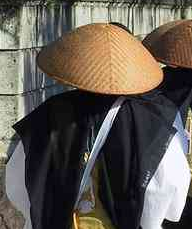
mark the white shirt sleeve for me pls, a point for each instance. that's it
(15, 183)
(166, 193)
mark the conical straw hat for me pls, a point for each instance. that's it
(101, 58)
(171, 43)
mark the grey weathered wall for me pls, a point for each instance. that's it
(22, 85)
(22, 33)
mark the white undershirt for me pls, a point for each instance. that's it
(166, 193)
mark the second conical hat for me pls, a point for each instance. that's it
(171, 43)
(101, 58)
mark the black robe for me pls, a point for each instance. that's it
(178, 88)
(55, 136)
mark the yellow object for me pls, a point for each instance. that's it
(96, 218)
(89, 223)
(75, 220)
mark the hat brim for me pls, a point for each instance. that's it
(101, 58)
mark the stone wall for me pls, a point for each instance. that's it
(25, 29)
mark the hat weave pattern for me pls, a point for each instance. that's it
(101, 58)
(171, 43)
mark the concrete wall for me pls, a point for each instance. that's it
(25, 30)
(22, 85)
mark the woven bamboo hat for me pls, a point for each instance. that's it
(101, 58)
(171, 43)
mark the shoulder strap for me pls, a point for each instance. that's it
(99, 142)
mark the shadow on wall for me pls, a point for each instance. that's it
(37, 87)
(50, 24)
(34, 87)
